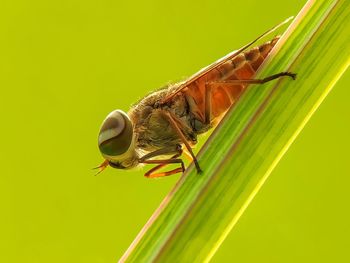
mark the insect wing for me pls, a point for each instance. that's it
(221, 61)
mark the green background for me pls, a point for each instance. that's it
(64, 65)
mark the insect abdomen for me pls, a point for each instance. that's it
(240, 67)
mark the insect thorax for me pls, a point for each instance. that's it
(153, 131)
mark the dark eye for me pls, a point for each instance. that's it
(115, 134)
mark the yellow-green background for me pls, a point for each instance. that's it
(64, 65)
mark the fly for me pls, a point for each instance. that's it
(165, 124)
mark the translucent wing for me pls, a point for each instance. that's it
(221, 61)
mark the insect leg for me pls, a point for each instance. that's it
(164, 151)
(162, 163)
(255, 81)
(172, 120)
(167, 150)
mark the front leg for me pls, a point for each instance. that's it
(164, 151)
(176, 149)
(162, 163)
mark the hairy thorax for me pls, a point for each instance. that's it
(152, 129)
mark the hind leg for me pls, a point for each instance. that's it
(235, 84)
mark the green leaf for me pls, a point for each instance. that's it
(196, 216)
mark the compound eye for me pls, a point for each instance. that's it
(115, 134)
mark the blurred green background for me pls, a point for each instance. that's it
(64, 65)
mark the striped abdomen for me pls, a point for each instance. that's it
(242, 66)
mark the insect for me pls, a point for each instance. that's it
(165, 124)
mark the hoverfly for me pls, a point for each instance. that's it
(165, 124)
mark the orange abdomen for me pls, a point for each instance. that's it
(240, 67)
